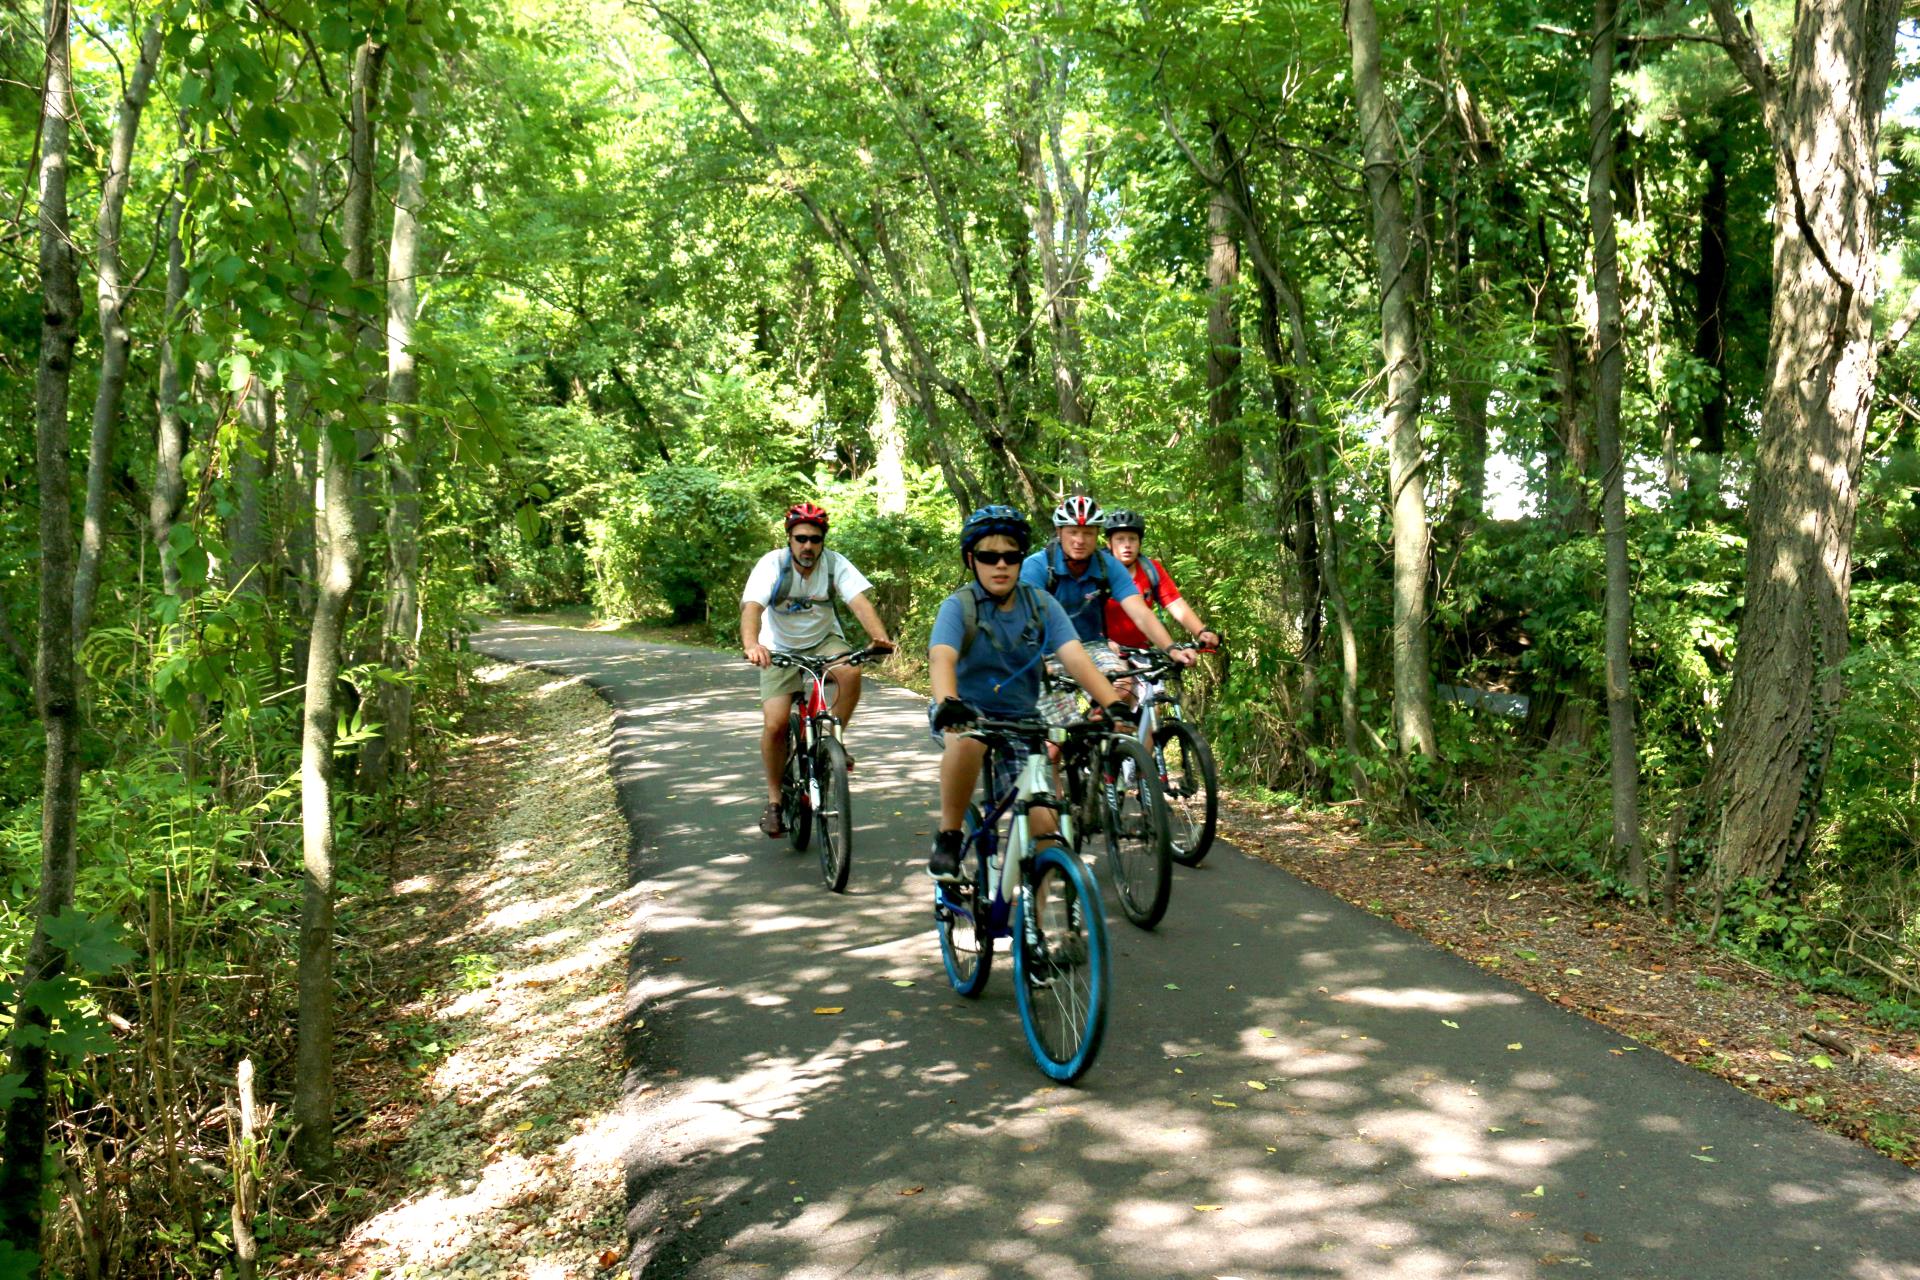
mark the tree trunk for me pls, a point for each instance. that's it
(1710, 293)
(23, 1148)
(388, 755)
(337, 525)
(169, 494)
(115, 340)
(1609, 367)
(889, 447)
(253, 457)
(1406, 373)
(1777, 732)
(1225, 460)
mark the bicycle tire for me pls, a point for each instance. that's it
(1060, 962)
(1191, 786)
(835, 815)
(1135, 822)
(966, 942)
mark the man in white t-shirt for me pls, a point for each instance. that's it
(788, 605)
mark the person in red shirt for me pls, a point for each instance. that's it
(1125, 529)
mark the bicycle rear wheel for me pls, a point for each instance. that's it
(960, 913)
(1192, 789)
(835, 815)
(1135, 821)
(795, 803)
(1060, 962)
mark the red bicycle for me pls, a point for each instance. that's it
(813, 786)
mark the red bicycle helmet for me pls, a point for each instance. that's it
(806, 513)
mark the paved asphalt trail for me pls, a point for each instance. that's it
(911, 1136)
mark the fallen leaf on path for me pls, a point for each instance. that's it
(830, 1008)
(1209, 1208)
(1219, 1103)
(1449, 1022)
(1538, 1191)
(1515, 1047)
(1255, 1084)
(911, 1191)
(1265, 1034)
(1046, 1222)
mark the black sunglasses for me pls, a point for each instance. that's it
(997, 557)
(808, 537)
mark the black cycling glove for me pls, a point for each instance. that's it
(952, 713)
(1119, 714)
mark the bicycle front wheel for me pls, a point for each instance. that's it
(793, 790)
(1192, 789)
(834, 816)
(1135, 820)
(1060, 962)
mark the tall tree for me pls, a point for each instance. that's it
(57, 692)
(1609, 374)
(1406, 376)
(116, 341)
(1223, 326)
(401, 616)
(1823, 120)
(339, 528)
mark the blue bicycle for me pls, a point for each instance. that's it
(1035, 891)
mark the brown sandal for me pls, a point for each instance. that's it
(770, 821)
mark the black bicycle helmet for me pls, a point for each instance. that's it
(995, 520)
(1126, 521)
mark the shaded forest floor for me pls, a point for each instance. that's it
(1817, 1054)
(481, 1045)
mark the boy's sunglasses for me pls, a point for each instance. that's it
(997, 557)
(808, 538)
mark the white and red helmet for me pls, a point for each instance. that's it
(1079, 510)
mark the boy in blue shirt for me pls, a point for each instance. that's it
(998, 674)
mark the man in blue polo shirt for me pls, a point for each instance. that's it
(996, 669)
(1082, 575)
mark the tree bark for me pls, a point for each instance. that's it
(389, 754)
(1406, 376)
(1225, 457)
(253, 458)
(169, 494)
(1609, 375)
(338, 527)
(1776, 734)
(115, 340)
(23, 1147)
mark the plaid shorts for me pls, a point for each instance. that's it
(1006, 765)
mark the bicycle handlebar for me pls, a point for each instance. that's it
(818, 664)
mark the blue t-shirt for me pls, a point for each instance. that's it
(1000, 676)
(1080, 596)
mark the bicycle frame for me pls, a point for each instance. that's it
(1034, 784)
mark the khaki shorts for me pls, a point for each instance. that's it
(775, 681)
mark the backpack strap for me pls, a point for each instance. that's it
(1153, 581)
(1030, 633)
(782, 589)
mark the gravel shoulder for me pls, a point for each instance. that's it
(488, 1051)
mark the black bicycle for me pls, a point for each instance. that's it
(1189, 782)
(1113, 787)
(813, 786)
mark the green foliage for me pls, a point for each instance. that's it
(673, 537)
